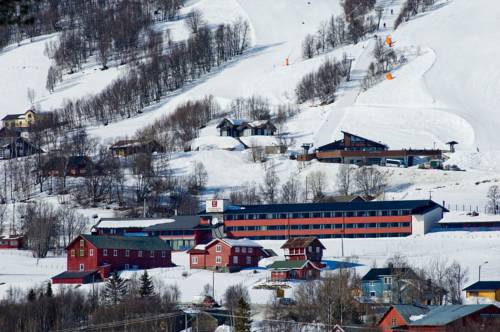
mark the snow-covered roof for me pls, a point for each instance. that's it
(131, 223)
(259, 140)
(239, 242)
(467, 217)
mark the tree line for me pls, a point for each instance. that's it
(320, 85)
(367, 181)
(147, 83)
(412, 8)
(353, 25)
(42, 309)
(20, 19)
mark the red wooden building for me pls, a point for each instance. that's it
(93, 257)
(226, 254)
(294, 270)
(11, 242)
(447, 318)
(303, 248)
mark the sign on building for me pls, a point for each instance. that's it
(215, 205)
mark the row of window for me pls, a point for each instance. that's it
(327, 214)
(218, 259)
(334, 236)
(218, 248)
(81, 253)
(317, 226)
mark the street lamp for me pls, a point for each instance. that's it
(479, 276)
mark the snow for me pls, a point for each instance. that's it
(241, 242)
(132, 223)
(447, 91)
(416, 317)
(459, 217)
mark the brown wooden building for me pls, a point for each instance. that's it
(124, 148)
(357, 150)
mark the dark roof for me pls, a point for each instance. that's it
(416, 206)
(11, 116)
(376, 273)
(180, 223)
(444, 315)
(301, 242)
(74, 274)
(288, 265)
(124, 242)
(366, 139)
(483, 285)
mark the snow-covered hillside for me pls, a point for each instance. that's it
(448, 90)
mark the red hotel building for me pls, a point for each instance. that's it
(326, 220)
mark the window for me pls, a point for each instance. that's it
(82, 252)
(82, 243)
(218, 260)
(249, 260)
(393, 321)
(91, 252)
(310, 249)
(127, 266)
(105, 252)
(250, 250)
(194, 260)
(244, 250)
(127, 253)
(235, 259)
(236, 249)
(218, 248)
(151, 253)
(163, 254)
(318, 250)
(73, 253)
(82, 267)
(115, 252)
(387, 280)
(372, 294)
(139, 253)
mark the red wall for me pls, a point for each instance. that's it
(118, 262)
(226, 255)
(11, 243)
(313, 221)
(386, 323)
(300, 274)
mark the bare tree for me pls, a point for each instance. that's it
(308, 47)
(456, 277)
(370, 181)
(269, 188)
(493, 199)
(71, 224)
(316, 185)
(290, 191)
(39, 225)
(345, 179)
(194, 20)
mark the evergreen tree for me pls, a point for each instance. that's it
(147, 287)
(31, 295)
(115, 289)
(48, 291)
(243, 323)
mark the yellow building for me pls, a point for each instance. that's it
(484, 289)
(25, 120)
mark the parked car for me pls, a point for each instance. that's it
(205, 301)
